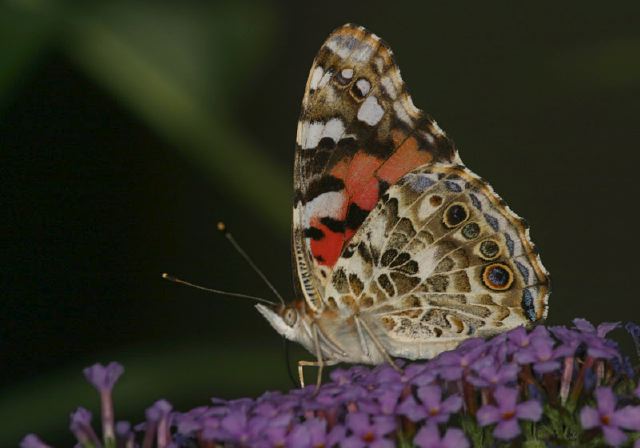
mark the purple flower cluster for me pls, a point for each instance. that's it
(545, 386)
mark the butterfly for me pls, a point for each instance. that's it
(399, 249)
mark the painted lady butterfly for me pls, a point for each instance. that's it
(399, 249)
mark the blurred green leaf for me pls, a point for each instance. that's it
(42, 405)
(181, 84)
(24, 35)
(180, 67)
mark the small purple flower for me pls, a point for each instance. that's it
(124, 434)
(608, 419)
(494, 374)
(452, 365)
(507, 413)
(429, 437)
(242, 429)
(103, 378)
(383, 400)
(519, 338)
(586, 327)
(164, 434)
(313, 433)
(542, 355)
(634, 331)
(431, 406)
(80, 426)
(368, 432)
(32, 441)
(156, 424)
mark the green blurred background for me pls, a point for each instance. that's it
(128, 129)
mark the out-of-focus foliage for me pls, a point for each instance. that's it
(179, 66)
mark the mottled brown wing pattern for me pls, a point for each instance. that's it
(358, 133)
(441, 258)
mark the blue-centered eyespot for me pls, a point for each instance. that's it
(497, 276)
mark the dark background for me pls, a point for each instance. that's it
(128, 129)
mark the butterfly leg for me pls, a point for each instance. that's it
(320, 363)
(377, 343)
(302, 364)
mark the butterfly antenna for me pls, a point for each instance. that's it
(173, 279)
(223, 228)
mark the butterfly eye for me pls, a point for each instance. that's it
(497, 276)
(455, 214)
(360, 89)
(489, 249)
(344, 76)
(290, 316)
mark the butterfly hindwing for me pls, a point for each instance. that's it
(441, 258)
(358, 133)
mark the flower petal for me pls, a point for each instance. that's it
(613, 436)
(452, 404)
(589, 417)
(507, 429)
(382, 443)
(358, 422)
(455, 438)
(529, 410)
(606, 400)
(430, 395)
(506, 397)
(628, 418)
(427, 437)
(411, 409)
(352, 442)
(584, 325)
(487, 415)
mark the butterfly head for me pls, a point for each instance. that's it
(286, 320)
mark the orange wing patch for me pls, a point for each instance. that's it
(407, 157)
(364, 175)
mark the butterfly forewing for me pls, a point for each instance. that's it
(358, 133)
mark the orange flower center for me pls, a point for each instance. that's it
(508, 415)
(605, 419)
(369, 437)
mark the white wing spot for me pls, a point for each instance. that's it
(401, 113)
(347, 73)
(325, 79)
(363, 53)
(334, 129)
(328, 204)
(379, 64)
(338, 48)
(370, 111)
(315, 77)
(389, 87)
(437, 129)
(363, 86)
(310, 134)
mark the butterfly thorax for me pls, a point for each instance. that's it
(334, 332)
